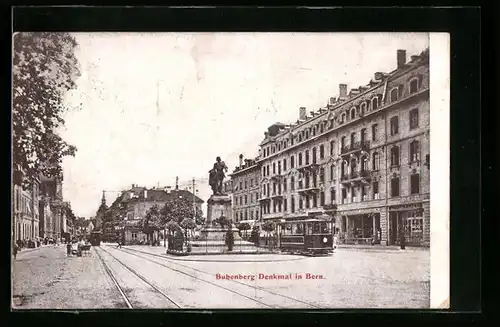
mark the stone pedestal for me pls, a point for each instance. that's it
(219, 205)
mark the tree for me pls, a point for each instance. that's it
(44, 69)
(268, 227)
(177, 209)
(152, 221)
(254, 235)
(244, 227)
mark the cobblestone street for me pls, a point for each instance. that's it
(350, 278)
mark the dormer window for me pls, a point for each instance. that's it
(343, 117)
(321, 128)
(414, 85)
(353, 112)
(394, 94)
(362, 107)
(374, 103)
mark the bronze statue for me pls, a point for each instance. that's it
(216, 176)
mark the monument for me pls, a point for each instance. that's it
(213, 234)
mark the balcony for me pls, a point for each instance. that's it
(308, 189)
(356, 177)
(264, 198)
(277, 195)
(311, 167)
(331, 206)
(355, 148)
(277, 177)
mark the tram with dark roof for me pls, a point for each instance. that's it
(308, 237)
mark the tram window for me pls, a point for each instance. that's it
(324, 228)
(287, 230)
(300, 229)
(316, 228)
(309, 229)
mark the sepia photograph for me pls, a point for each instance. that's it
(230, 170)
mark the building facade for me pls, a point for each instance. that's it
(364, 159)
(25, 213)
(51, 208)
(245, 181)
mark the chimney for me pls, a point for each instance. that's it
(302, 113)
(378, 76)
(133, 185)
(332, 101)
(241, 160)
(401, 58)
(342, 91)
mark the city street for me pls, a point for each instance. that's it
(144, 277)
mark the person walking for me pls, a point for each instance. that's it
(14, 250)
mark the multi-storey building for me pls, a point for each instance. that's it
(364, 159)
(25, 209)
(245, 180)
(51, 207)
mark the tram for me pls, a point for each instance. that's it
(308, 237)
(95, 238)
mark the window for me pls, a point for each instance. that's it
(301, 204)
(246, 185)
(375, 190)
(344, 195)
(364, 163)
(374, 103)
(364, 192)
(332, 147)
(263, 191)
(300, 137)
(322, 175)
(267, 170)
(274, 168)
(251, 182)
(414, 151)
(284, 164)
(300, 159)
(268, 187)
(292, 162)
(246, 214)
(292, 204)
(321, 151)
(279, 167)
(307, 157)
(342, 117)
(394, 125)
(375, 161)
(285, 205)
(236, 200)
(284, 184)
(395, 187)
(263, 171)
(241, 185)
(274, 188)
(362, 107)
(394, 94)
(307, 134)
(353, 113)
(322, 199)
(332, 172)
(251, 215)
(246, 200)
(292, 183)
(308, 202)
(314, 156)
(413, 118)
(395, 156)
(374, 132)
(321, 128)
(413, 86)
(353, 139)
(342, 143)
(415, 183)
(332, 195)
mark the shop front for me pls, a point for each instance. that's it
(360, 228)
(407, 220)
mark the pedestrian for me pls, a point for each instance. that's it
(14, 249)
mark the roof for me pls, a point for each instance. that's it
(161, 195)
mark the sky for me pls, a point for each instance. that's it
(153, 106)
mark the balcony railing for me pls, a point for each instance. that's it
(356, 176)
(331, 206)
(356, 146)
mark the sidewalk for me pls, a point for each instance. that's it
(25, 250)
(381, 247)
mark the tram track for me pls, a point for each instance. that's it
(135, 273)
(253, 287)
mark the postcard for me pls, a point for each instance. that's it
(230, 170)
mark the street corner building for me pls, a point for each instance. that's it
(363, 160)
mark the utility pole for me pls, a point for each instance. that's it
(194, 201)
